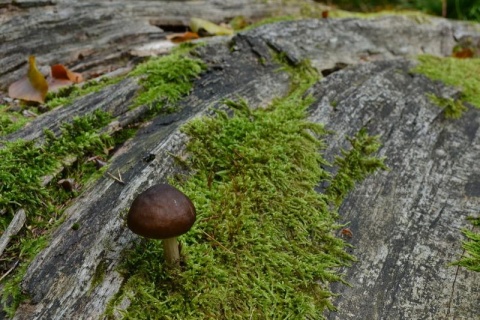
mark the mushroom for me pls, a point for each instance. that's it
(162, 212)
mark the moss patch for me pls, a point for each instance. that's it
(263, 245)
(453, 109)
(471, 259)
(461, 73)
(166, 80)
(10, 121)
(355, 165)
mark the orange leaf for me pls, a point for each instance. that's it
(33, 87)
(59, 71)
(347, 232)
(62, 77)
(463, 53)
(182, 37)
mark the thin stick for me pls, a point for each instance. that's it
(221, 245)
(119, 180)
(11, 269)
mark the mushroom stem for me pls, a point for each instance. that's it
(170, 249)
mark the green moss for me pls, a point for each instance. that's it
(22, 168)
(66, 95)
(99, 274)
(25, 163)
(461, 73)
(12, 295)
(471, 258)
(302, 75)
(355, 165)
(270, 20)
(10, 121)
(263, 245)
(416, 16)
(453, 109)
(166, 79)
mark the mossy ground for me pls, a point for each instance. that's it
(263, 245)
(24, 164)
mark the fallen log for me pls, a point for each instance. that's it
(405, 223)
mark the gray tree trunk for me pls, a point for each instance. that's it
(406, 221)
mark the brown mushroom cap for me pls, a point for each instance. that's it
(161, 212)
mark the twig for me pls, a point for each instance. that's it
(10, 270)
(221, 245)
(119, 179)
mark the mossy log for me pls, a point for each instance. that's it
(405, 222)
(95, 37)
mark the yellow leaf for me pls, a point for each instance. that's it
(197, 24)
(33, 87)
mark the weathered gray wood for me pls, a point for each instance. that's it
(114, 99)
(406, 222)
(13, 228)
(94, 37)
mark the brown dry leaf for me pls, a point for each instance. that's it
(62, 77)
(463, 53)
(182, 37)
(33, 87)
(347, 232)
(197, 24)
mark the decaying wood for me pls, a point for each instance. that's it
(405, 222)
(95, 37)
(115, 100)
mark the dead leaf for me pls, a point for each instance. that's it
(61, 76)
(463, 53)
(33, 87)
(182, 37)
(347, 232)
(197, 24)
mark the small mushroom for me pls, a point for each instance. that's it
(162, 212)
